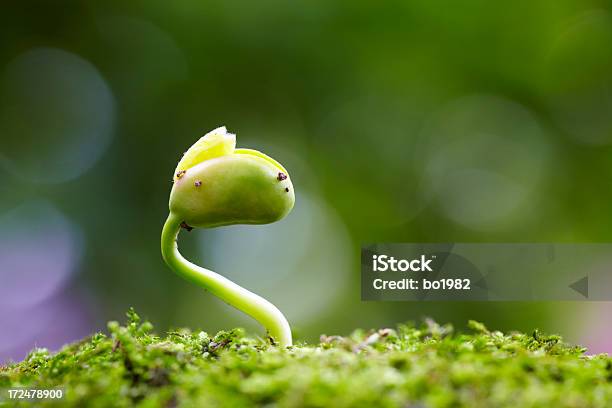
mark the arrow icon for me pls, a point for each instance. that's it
(581, 286)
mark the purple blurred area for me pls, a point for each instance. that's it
(40, 252)
(49, 324)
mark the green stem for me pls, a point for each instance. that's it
(255, 306)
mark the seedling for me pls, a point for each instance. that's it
(215, 185)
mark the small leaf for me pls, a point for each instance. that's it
(216, 143)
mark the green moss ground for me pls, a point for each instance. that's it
(428, 366)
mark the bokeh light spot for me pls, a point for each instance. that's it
(56, 116)
(484, 157)
(39, 251)
(278, 262)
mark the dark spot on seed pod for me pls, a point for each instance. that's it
(186, 226)
(180, 174)
(286, 189)
(281, 176)
(198, 183)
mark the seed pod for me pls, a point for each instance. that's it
(242, 185)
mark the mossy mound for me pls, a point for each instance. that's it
(410, 366)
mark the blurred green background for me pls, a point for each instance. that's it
(421, 121)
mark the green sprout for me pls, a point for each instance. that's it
(215, 185)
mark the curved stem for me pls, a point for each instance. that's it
(255, 306)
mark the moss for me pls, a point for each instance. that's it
(409, 366)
